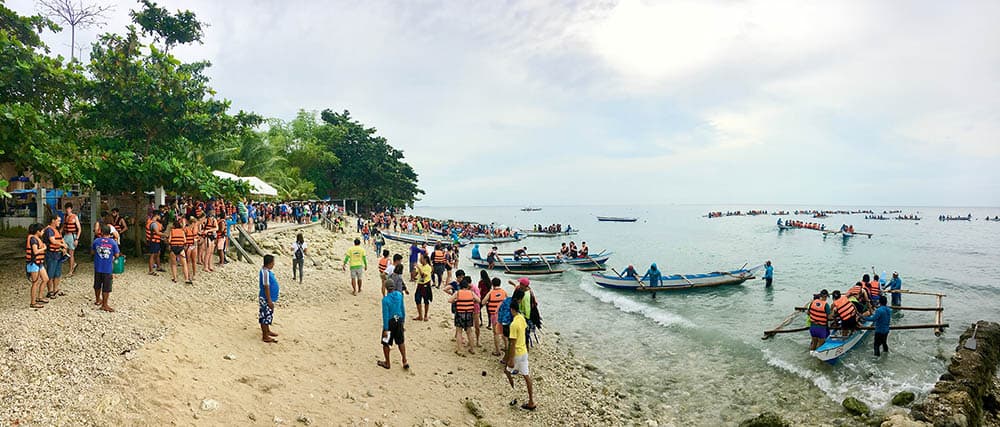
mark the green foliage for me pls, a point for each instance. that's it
(172, 29)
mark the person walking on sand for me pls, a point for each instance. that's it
(393, 317)
(384, 270)
(154, 235)
(268, 294)
(464, 301)
(299, 252)
(768, 274)
(492, 301)
(105, 250)
(517, 359)
(423, 295)
(54, 252)
(71, 235)
(355, 257)
(34, 255)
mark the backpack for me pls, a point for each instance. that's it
(503, 312)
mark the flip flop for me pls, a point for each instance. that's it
(406, 366)
(529, 408)
(36, 306)
(61, 293)
(382, 364)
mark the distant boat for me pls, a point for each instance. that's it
(548, 234)
(617, 219)
(517, 237)
(530, 209)
(429, 240)
(836, 345)
(677, 281)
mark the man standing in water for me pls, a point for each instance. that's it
(768, 274)
(819, 315)
(880, 318)
(355, 256)
(894, 285)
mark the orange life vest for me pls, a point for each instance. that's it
(855, 290)
(466, 302)
(844, 308)
(873, 289)
(177, 237)
(496, 298)
(817, 312)
(29, 252)
(209, 226)
(55, 241)
(152, 236)
(383, 263)
(72, 225)
(189, 234)
(439, 257)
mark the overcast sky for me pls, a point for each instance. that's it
(549, 102)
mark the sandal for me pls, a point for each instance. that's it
(61, 293)
(406, 366)
(382, 364)
(36, 306)
(41, 301)
(529, 408)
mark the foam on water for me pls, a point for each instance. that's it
(629, 305)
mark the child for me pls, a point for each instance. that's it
(383, 266)
(266, 298)
(393, 316)
(105, 251)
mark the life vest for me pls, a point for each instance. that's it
(210, 227)
(844, 308)
(439, 257)
(189, 234)
(855, 290)
(496, 297)
(55, 240)
(817, 312)
(29, 251)
(119, 223)
(72, 225)
(152, 236)
(466, 301)
(873, 290)
(177, 237)
(383, 264)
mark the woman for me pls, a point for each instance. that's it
(178, 245)
(191, 248)
(299, 252)
(34, 254)
(379, 241)
(208, 228)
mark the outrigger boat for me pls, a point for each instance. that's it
(543, 263)
(429, 240)
(517, 237)
(677, 281)
(616, 219)
(548, 234)
(836, 345)
(530, 209)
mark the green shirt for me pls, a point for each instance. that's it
(355, 257)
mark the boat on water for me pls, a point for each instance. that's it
(548, 234)
(677, 281)
(530, 209)
(517, 237)
(617, 219)
(837, 345)
(429, 240)
(544, 262)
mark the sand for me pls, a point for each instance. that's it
(177, 354)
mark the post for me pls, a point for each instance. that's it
(356, 213)
(40, 204)
(159, 196)
(938, 331)
(95, 205)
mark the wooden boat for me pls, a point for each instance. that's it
(836, 345)
(530, 209)
(547, 234)
(429, 240)
(617, 219)
(517, 237)
(677, 281)
(545, 262)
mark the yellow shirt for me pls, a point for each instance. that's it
(355, 256)
(518, 332)
(425, 273)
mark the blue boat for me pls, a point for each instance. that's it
(836, 345)
(677, 281)
(428, 240)
(546, 262)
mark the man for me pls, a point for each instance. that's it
(154, 235)
(414, 260)
(846, 313)
(517, 359)
(355, 257)
(491, 257)
(440, 259)
(268, 294)
(71, 235)
(423, 293)
(464, 301)
(880, 318)
(118, 222)
(894, 285)
(819, 315)
(492, 301)
(520, 253)
(872, 286)
(54, 252)
(383, 270)
(105, 252)
(768, 274)
(393, 316)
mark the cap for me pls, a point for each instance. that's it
(524, 281)
(824, 292)
(895, 273)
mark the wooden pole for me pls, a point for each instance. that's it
(785, 322)
(940, 313)
(904, 291)
(897, 308)
(769, 334)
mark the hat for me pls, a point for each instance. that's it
(895, 273)
(824, 293)
(524, 281)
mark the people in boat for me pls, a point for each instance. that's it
(629, 272)
(491, 257)
(779, 222)
(871, 289)
(584, 250)
(475, 251)
(652, 276)
(819, 316)
(564, 251)
(894, 285)
(520, 253)
(859, 294)
(845, 312)
(572, 249)
(880, 318)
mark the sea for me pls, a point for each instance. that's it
(696, 357)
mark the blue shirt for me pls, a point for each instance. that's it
(768, 271)
(475, 252)
(414, 253)
(896, 283)
(105, 251)
(881, 319)
(392, 306)
(271, 281)
(653, 276)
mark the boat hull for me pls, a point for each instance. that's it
(677, 281)
(545, 234)
(430, 240)
(616, 219)
(837, 346)
(550, 261)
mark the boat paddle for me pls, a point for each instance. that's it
(636, 278)
(971, 342)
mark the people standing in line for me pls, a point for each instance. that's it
(355, 257)
(299, 250)
(105, 251)
(266, 298)
(896, 284)
(881, 318)
(423, 295)
(492, 301)
(71, 235)
(768, 274)
(54, 252)
(34, 254)
(819, 317)
(517, 360)
(393, 321)
(464, 300)
(178, 246)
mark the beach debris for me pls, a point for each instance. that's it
(278, 420)
(229, 357)
(473, 407)
(855, 406)
(369, 393)
(903, 398)
(304, 420)
(209, 405)
(765, 419)
(252, 417)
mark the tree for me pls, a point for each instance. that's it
(75, 14)
(180, 28)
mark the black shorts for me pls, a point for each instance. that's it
(396, 333)
(102, 281)
(153, 248)
(424, 294)
(463, 320)
(438, 270)
(177, 250)
(849, 324)
(506, 330)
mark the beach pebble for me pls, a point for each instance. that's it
(278, 420)
(209, 405)
(304, 420)
(229, 357)
(369, 393)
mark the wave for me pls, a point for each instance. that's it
(629, 305)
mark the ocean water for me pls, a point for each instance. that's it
(696, 357)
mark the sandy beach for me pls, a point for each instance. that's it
(191, 355)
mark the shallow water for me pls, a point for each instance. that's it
(697, 357)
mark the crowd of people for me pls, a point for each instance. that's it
(794, 223)
(551, 228)
(864, 302)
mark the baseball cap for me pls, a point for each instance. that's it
(524, 281)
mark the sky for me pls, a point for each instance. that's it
(874, 103)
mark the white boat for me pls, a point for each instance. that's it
(836, 345)
(677, 281)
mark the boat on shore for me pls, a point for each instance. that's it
(544, 262)
(677, 281)
(429, 240)
(617, 219)
(837, 345)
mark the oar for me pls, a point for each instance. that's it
(971, 342)
(636, 277)
(599, 266)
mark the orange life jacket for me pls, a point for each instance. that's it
(439, 257)
(55, 241)
(151, 235)
(855, 290)
(465, 302)
(817, 312)
(177, 237)
(189, 234)
(29, 252)
(383, 263)
(72, 224)
(496, 298)
(844, 308)
(873, 289)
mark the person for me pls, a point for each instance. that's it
(629, 272)
(414, 260)
(397, 264)
(71, 235)
(584, 250)
(34, 255)
(520, 253)
(177, 242)
(105, 252)
(299, 251)
(355, 256)
(208, 229)
(191, 248)
(118, 221)
(383, 268)
(464, 300)
(819, 315)
(894, 285)
(873, 288)
(845, 312)
(393, 317)
(423, 294)
(517, 359)
(379, 240)
(768, 274)
(492, 301)
(475, 251)
(394, 279)
(222, 237)
(54, 256)
(880, 318)
(440, 265)
(266, 298)
(491, 257)
(563, 251)
(652, 276)
(154, 235)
